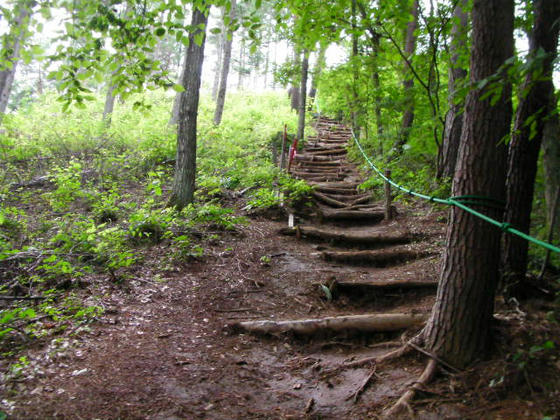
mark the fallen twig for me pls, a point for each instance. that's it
(356, 395)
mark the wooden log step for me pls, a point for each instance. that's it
(343, 185)
(327, 200)
(385, 284)
(337, 190)
(376, 214)
(348, 198)
(330, 152)
(318, 159)
(320, 170)
(326, 178)
(372, 237)
(376, 258)
(364, 323)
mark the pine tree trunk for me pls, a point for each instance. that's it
(526, 141)
(302, 95)
(185, 164)
(225, 71)
(459, 327)
(408, 85)
(10, 52)
(551, 163)
(454, 117)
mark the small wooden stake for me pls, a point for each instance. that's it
(388, 197)
(284, 142)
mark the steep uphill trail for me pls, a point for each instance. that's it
(160, 350)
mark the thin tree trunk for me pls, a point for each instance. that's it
(109, 104)
(459, 327)
(303, 95)
(355, 109)
(225, 71)
(185, 164)
(408, 85)
(10, 52)
(241, 64)
(316, 74)
(377, 92)
(219, 58)
(526, 141)
(454, 117)
(174, 119)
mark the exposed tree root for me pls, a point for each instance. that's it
(403, 404)
(366, 323)
(377, 258)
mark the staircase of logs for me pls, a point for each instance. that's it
(351, 231)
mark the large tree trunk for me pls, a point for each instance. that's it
(551, 163)
(228, 41)
(408, 85)
(303, 95)
(526, 141)
(459, 327)
(185, 164)
(454, 117)
(10, 52)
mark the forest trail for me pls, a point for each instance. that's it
(167, 348)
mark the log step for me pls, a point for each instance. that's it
(374, 214)
(364, 323)
(371, 237)
(376, 258)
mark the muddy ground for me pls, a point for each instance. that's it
(162, 348)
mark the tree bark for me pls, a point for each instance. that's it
(459, 327)
(185, 164)
(408, 85)
(228, 41)
(303, 95)
(527, 137)
(454, 117)
(551, 163)
(11, 47)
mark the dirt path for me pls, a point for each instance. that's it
(162, 349)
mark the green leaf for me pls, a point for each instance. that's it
(160, 31)
(178, 88)
(327, 292)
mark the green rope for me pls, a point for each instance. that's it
(461, 201)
